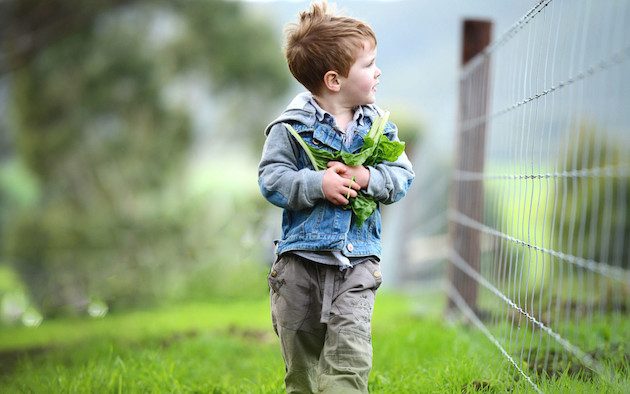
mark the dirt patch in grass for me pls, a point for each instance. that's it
(259, 336)
(478, 385)
(178, 337)
(9, 358)
(555, 364)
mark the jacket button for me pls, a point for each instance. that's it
(274, 273)
(377, 274)
(350, 247)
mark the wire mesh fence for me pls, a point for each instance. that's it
(540, 213)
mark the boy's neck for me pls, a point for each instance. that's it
(342, 113)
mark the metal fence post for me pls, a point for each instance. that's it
(467, 195)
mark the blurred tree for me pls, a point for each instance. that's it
(594, 222)
(93, 123)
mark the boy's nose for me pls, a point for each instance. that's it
(378, 72)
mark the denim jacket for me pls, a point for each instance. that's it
(287, 179)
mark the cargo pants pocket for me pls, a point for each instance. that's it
(290, 289)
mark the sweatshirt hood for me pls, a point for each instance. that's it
(300, 110)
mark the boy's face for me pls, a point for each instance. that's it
(359, 87)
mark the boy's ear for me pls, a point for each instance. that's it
(331, 81)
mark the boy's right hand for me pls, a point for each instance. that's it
(338, 189)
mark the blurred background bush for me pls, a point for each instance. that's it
(129, 140)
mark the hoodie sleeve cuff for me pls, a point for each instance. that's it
(314, 190)
(376, 185)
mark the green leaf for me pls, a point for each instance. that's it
(386, 150)
(319, 158)
(362, 207)
(322, 157)
(357, 159)
(378, 126)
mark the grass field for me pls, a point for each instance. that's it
(229, 347)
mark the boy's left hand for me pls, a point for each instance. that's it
(360, 173)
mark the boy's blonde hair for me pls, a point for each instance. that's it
(322, 41)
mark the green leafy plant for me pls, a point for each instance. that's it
(376, 149)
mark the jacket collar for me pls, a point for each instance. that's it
(301, 109)
(321, 114)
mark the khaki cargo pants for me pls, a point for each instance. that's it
(323, 318)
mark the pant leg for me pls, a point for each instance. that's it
(346, 359)
(300, 350)
(295, 311)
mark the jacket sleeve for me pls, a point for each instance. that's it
(390, 181)
(280, 179)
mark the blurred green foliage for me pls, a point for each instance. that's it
(111, 214)
(410, 130)
(580, 212)
(595, 221)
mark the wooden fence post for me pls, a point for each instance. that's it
(467, 195)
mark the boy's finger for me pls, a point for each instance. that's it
(338, 167)
(342, 200)
(351, 184)
(351, 190)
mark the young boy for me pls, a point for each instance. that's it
(324, 280)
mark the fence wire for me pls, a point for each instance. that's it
(545, 130)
